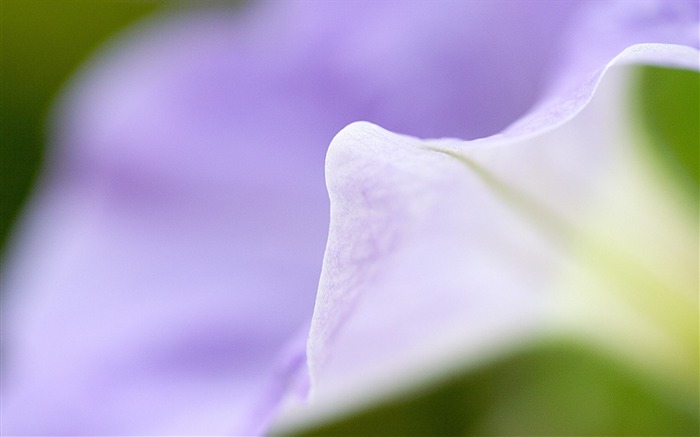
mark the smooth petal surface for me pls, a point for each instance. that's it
(603, 30)
(167, 268)
(442, 252)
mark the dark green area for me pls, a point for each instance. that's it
(554, 388)
(669, 110)
(41, 43)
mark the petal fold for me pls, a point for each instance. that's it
(442, 253)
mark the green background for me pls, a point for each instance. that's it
(42, 42)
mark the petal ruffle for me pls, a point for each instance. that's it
(169, 262)
(443, 252)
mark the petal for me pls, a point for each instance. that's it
(169, 262)
(443, 253)
(630, 32)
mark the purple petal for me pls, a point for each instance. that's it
(633, 32)
(442, 252)
(170, 261)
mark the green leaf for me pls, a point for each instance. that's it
(554, 387)
(669, 111)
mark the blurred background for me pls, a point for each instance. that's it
(43, 42)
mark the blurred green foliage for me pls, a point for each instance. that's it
(42, 42)
(669, 111)
(552, 388)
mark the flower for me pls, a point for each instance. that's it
(165, 276)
